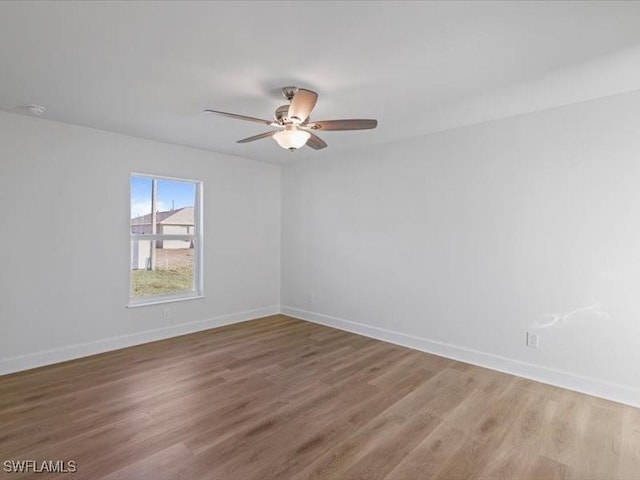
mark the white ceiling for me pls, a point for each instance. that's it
(148, 69)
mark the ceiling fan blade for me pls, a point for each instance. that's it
(316, 142)
(301, 105)
(348, 124)
(257, 137)
(242, 117)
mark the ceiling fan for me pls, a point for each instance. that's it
(294, 128)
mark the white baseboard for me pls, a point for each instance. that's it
(57, 355)
(598, 388)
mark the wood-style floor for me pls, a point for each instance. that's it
(279, 398)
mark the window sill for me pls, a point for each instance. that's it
(161, 300)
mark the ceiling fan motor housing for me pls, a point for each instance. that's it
(281, 114)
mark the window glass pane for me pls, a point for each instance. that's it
(175, 194)
(170, 273)
(175, 207)
(140, 204)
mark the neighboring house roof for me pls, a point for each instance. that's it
(181, 216)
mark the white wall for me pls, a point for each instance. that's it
(64, 247)
(458, 242)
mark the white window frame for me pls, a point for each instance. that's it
(197, 237)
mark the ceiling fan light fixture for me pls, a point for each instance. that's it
(291, 138)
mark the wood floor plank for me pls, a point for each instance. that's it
(520, 447)
(544, 468)
(164, 465)
(568, 426)
(387, 450)
(600, 449)
(280, 398)
(429, 456)
(337, 426)
(630, 453)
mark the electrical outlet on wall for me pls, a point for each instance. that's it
(166, 314)
(310, 298)
(533, 340)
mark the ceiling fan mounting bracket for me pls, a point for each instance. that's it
(289, 92)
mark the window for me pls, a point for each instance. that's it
(166, 239)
